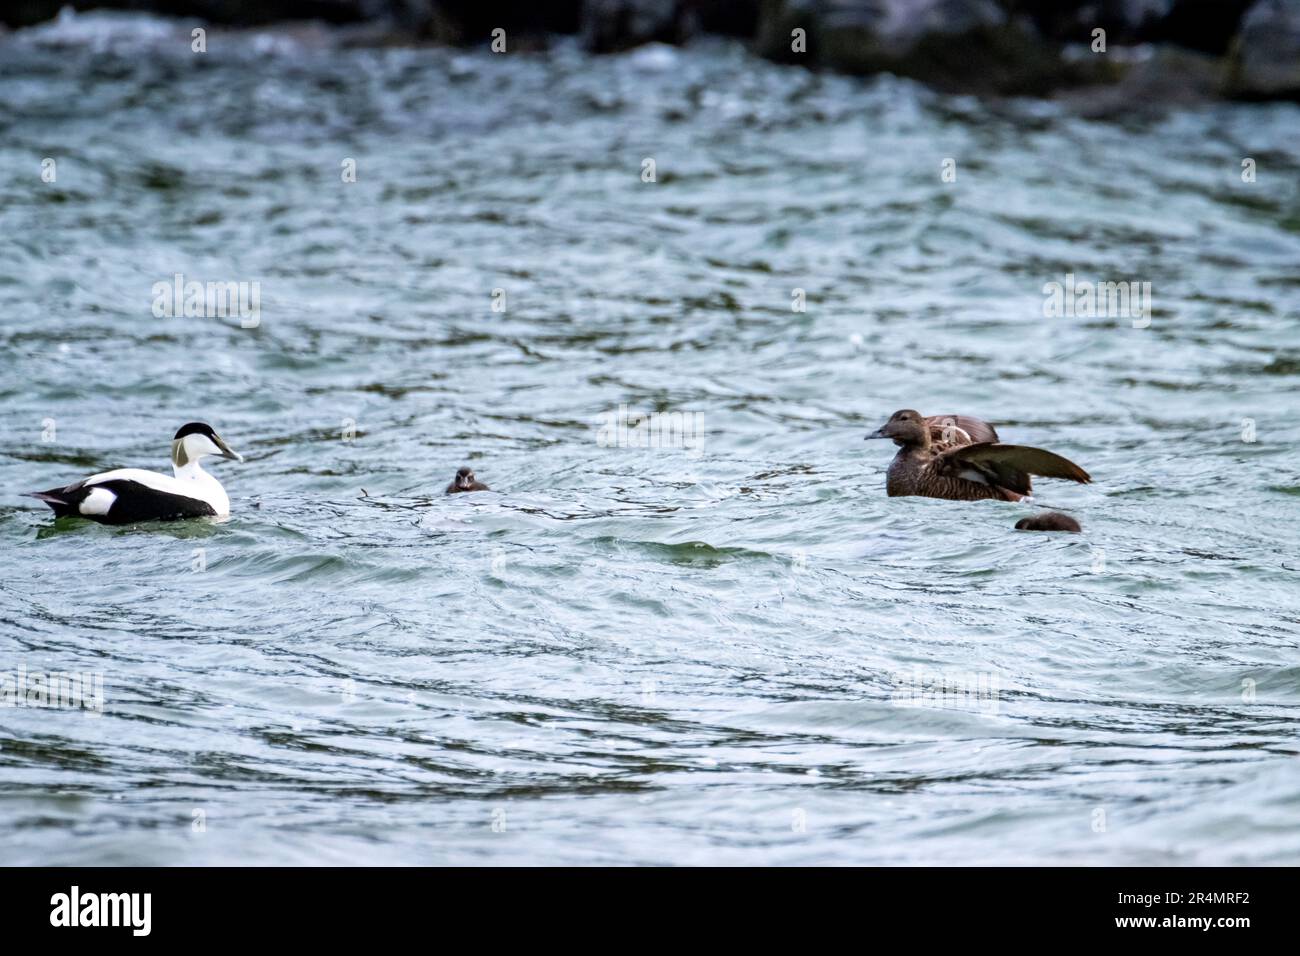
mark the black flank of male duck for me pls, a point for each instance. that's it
(465, 481)
(960, 458)
(1048, 521)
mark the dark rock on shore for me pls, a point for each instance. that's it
(1207, 26)
(609, 26)
(1165, 51)
(450, 21)
(733, 18)
(1204, 25)
(467, 23)
(967, 45)
(1264, 62)
(231, 12)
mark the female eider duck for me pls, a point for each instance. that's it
(128, 495)
(465, 481)
(960, 458)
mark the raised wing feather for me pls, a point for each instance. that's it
(1008, 466)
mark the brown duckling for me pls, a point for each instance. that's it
(960, 458)
(465, 481)
(1048, 521)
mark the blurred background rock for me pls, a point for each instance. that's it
(1167, 49)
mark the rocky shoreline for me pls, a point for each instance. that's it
(1142, 50)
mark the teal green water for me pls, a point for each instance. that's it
(628, 655)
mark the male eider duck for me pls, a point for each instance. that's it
(960, 458)
(465, 481)
(128, 495)
(1048, 521)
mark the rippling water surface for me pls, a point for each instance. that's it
(627, 655)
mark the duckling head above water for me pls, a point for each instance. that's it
(465, 481)
(1048, 521)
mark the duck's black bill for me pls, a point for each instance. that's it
(878, 433)
(227, 451)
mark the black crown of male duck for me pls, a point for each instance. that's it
(129, 495)
(960, 458)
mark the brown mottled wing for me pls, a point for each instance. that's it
(959, 430)
(1007, 466)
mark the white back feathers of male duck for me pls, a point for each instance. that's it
(128, 495)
